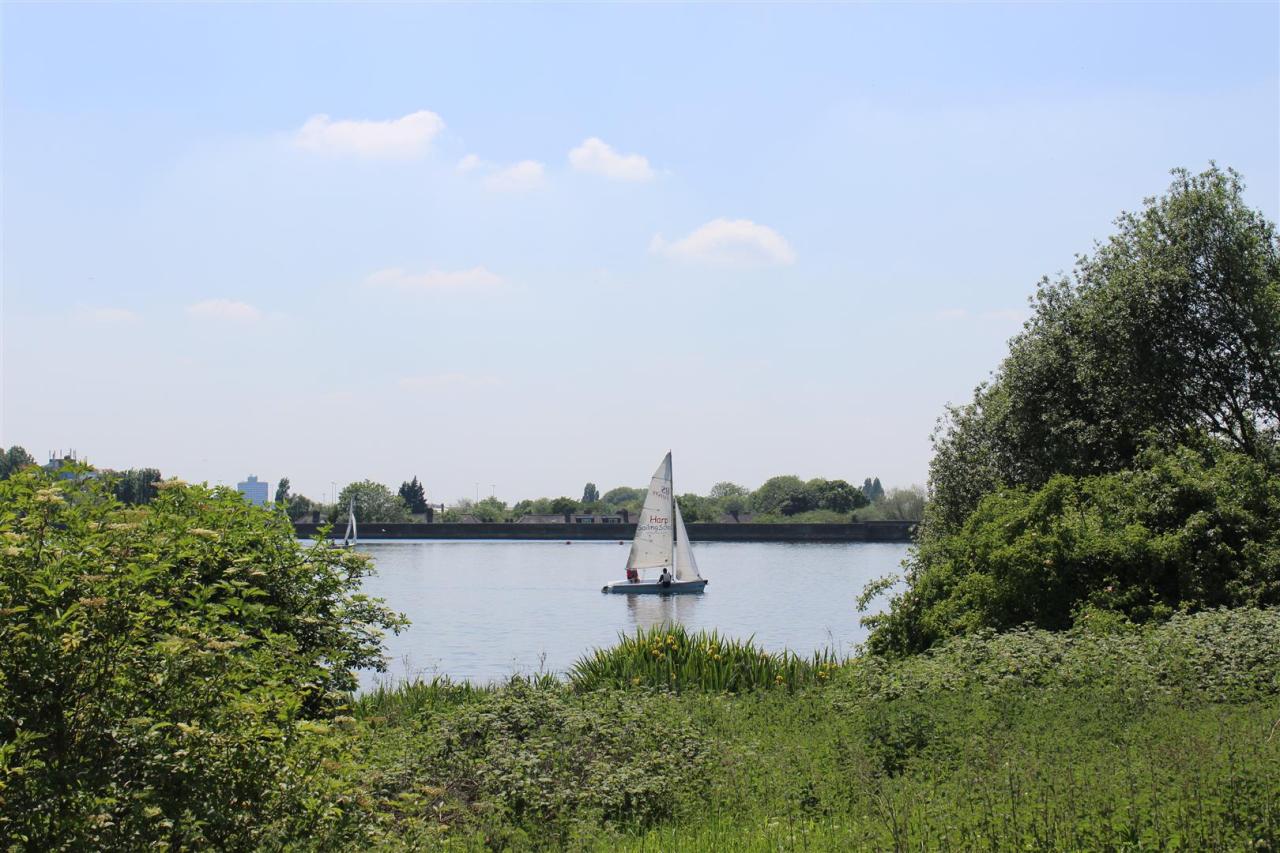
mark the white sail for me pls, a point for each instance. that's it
(350, 538)
(652, 547)
(686, 565)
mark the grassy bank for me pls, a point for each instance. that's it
(1107, 737)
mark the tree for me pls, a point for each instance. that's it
(783, 495)
(137, 485)
(725, 489)
(696, 508)
(282, 491)
(624, 497)
(373, 502)
(1189, 528)
(13, 460)
(168, 655)
(1165, 338)
(300, 506)
(896, 505)
(413, 495)
(590, 494)
(835, 495)
(1170, 327)
(559, 506)
(489, 509)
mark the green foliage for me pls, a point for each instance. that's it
(538, 506)
(725, 489)
(137, 485)
(813, 516)
(872, 490)
(374, 502)
(562, 505)
(624, 496)
(1109, 736)
(1220, 655)
(1171, 326)
(489, 509)
(695, 508)
(158, 666)
(895, 505)
(300, 506)
(590, 494)
(671, 658)
(1187, 530)
(13, 460)
(413, 495)
(535, 761)
(783, 495)
(282, 491)
(835, 495)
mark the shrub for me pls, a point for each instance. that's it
(540, 758)
(669, 657)
(158, 665)
(1190, 529)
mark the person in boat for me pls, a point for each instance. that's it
(633, 576)
(665, 578)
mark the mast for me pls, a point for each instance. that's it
(674, 535)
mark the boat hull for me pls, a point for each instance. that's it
(654, 588)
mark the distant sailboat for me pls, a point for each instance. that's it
(349, 541)
(661, 544)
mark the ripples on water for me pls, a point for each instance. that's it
(486, 610)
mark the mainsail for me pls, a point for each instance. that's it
(350, 538)
(652, 547)
(686, 565)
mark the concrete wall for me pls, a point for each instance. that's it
(868, 531)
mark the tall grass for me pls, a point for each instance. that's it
(670, 657)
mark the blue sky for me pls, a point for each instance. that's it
(530, 246)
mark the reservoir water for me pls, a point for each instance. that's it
(483, 611)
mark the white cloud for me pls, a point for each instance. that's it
(468, 163)
(104, 316)
(401, 137)
(434, 381)
(225, 309)
(525, 175)
(476, 278)
(733, 242)
(596, 156)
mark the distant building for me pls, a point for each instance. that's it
(254, 490)
(599, 518)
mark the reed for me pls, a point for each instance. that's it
(670, 657)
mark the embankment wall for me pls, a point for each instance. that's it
(868, 531)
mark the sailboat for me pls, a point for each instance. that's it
(349, 541)
(661, 542)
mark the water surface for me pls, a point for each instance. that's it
(486, 610)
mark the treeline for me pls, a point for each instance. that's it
(783, 498)
(134, 486)
(1126, 453)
